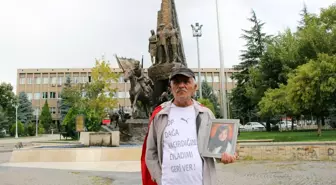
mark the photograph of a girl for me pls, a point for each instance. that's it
(220, 142)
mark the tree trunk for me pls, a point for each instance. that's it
(268, 125)
(319, 126)
(249, 112)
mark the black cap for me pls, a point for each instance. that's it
(182, 71)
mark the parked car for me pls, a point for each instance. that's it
(286, 125)
(3, 133)
(252, 126)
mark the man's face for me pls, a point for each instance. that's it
(223, 135)
(183, 87)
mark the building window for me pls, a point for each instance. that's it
(52, 95)
(53, 80)
(22, 80)
(121, 79)
(45, 95)
(60, 80)
(209, 77)
(216, 78)
(45, 80)
(229, 79)
(202, 77)
(53, 110)
(196, 78)
(37, 80)
(121, 95)
(75, 79)
(59, 95)
(29, 96)
(83, 78)
(37, 96)
(29, 80)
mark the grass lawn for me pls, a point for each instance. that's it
(327, 135)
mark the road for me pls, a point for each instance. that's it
(242, 172)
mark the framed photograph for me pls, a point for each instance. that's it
(221, 137)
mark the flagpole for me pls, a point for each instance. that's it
(222, 72)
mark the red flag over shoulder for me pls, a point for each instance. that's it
(146, 177)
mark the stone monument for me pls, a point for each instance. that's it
(168, 52)
(165, 47)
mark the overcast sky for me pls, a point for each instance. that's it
(72, 33)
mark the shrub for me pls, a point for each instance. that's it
(207, 103)
(31, 129)
(21, 129)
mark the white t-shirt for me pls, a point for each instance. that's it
(182, 163)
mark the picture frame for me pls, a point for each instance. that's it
(221, 137)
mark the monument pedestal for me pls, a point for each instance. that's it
(159, 72)
(100, 138)
(137, 130)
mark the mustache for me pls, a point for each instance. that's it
(180, 89)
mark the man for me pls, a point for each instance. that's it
(177, 129)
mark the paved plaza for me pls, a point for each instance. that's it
(242, 172)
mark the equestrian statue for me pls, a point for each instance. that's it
(141, 86)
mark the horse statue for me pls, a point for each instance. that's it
(141, 90)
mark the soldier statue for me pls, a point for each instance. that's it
(162, 43)
(152, 48)
(173, 40)
(145, 83)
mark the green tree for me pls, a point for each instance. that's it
(256, 41)
(21, 129)
(285, 53)
(7, 98)
(99, 93)
(69, 97)
(276, 63)
(208, 93)
(312, 87)
(94, 99)
(276, 104)
(25, 110)
(207, 103)
(31, 129)
(304, 17)
(3, 121)
(45, 117)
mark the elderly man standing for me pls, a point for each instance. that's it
(170, 154)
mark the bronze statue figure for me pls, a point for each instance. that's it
(173, 41)
(152, 48)
(162, 44)
(141, 88)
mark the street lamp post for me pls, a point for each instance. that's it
(221, 58)
(16, 121)
(197, 32)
